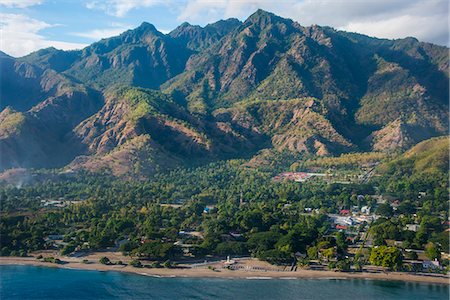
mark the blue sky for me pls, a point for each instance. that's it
(29, 25)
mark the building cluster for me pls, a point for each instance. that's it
(297, 176)
(61, 202)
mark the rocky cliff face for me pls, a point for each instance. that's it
(297, 125)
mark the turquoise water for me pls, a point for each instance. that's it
(27, 282)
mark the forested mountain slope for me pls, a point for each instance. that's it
(145, 100)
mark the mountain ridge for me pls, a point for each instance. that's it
(228, 89)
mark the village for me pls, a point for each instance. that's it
(353, 222)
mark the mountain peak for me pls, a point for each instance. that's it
(185, 24)
(145, 27)
(196, 37)
(263, 18)
(224, 26)
(141, 31)
(262, 12)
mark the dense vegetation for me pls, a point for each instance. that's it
(248, 213)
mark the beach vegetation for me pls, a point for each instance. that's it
(389, 257)
(136, 263)
(104, 260)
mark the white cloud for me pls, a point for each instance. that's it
(426, 20)
(19, 3)
(119, 8)
(98, 34)
(400, 27)
(165, 31)
(19, 35)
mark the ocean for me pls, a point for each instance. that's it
(29, 282)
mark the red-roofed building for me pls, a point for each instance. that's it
(344, 212)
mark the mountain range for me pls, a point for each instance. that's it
(145, 101)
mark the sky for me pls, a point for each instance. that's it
(29, 25)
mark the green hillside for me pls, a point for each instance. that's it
(226, 90)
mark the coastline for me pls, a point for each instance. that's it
(225, 273)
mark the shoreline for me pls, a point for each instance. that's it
(231, 274)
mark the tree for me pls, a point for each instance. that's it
(389, 257)
(329, 253)
(156, 250)
(275, 257)
(385, 210)
(358, 265)
(104, 260)
(228, 248)
(341, 242)
(432, 251)
(312, 252)
(412, 255)
(127, 247)
(262, 241)
(136, 263)
(343, 265)
(406, 207)
(69, 248)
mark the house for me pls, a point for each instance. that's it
(342, 220)
(236, 235)
(365, 210)
(412, 227)
(431, 264)
(394, 243)
(341, 227)
(55, 240)
(187, 249)
(299, 254)
(380, 199)
(352, 239)
(348, 221)
(209, 209)
(54, 237)
(296, 176)
(422, 194)
(344, 212)
(191, 233)
(394, 204)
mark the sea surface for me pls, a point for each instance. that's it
(29, 282)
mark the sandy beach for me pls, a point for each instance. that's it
(74, 263)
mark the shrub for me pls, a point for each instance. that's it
(104, 260)
(167, 264)
(136, 263)
(343, 265)
(49, 259)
